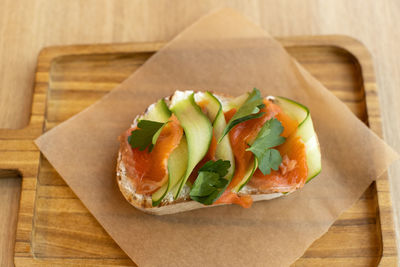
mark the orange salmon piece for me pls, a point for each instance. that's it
(292, 173)
(149, 170)
(243, 134)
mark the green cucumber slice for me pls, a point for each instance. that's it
(236, 103)
(198, 131)
(177, 164)
(216, 115)
(249, 173)
(306, 132)
(159, 112)
(212, 107)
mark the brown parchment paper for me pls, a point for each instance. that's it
(225, 53)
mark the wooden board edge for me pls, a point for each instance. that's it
(27, 261)
(50, 53)
(25, 224)
(385, 224)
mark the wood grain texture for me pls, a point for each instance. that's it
(27, 26)
(7, 227)
(54, 225)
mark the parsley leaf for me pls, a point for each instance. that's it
(249, 110)
(210, 184)
(146, 135)
(268, 137)
(220, 167)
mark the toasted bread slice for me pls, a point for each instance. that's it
(168, 205)
(183, 203)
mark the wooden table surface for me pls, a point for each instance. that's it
(27, 26)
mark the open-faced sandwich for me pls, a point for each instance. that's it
(199, 149)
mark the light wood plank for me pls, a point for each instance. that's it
(9, 199)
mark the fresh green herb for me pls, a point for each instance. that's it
(220, 167)
(249, 110)
(210, 184)
(268, 137)
(146, 135)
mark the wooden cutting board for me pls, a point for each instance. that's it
(54, 228)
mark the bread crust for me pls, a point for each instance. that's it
(144, 203)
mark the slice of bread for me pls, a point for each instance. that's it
(183, 203)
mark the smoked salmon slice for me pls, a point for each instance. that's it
(148, 170)
(293, 170)
(292, 173)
